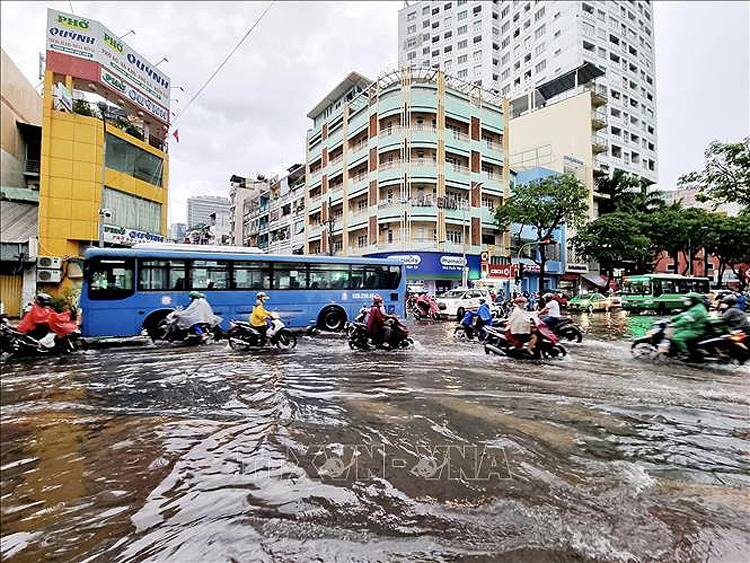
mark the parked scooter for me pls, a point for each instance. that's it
(361, 339)
(433, 312)
(547, 346)
(717, 346)
(243, 335)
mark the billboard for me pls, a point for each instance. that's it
(84, 48)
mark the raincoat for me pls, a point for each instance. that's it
(484, 312)
(59, 323)
(198, 312)
(260, 315)
(689, 325)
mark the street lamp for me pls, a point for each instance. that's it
(103, 213)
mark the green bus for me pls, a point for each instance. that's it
(659, 292)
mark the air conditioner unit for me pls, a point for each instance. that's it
(48, 276)
(49, 262)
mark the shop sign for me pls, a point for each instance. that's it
(88, 39)
(435, 263)
(503, 270)
(129, 237)
(577, 268)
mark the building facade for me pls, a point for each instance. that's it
(274, 217)
(199, 208)
(20, 150)
(513, 46)
(177, 232)
(413, 163)
(240, 190)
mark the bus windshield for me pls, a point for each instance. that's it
(636, 288)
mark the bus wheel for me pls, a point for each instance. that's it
(332, 318)
(661, 309)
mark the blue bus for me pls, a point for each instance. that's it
(130, 290)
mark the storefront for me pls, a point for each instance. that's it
(436, 271)
(531, 271)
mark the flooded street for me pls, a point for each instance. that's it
(438, 453)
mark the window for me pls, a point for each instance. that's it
(541, 65)
(411, 29)
(462, 29)
(462, 73)
(411, 16)
(505, 58)
(447, 49)
(132, 212)
(462, 59)
(539, 32)
(539, 14)
(133, 161)
(477, 39)
(110, 278)
(454, 236)
(425, 11)
(462, 15)
(252, 275)
(462, 44)
(163, 275)
(477, 56)
(447, 22)
(411, 56)
(209, 274)
(539, 49)
(477, 70)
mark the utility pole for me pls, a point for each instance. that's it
(329, 227)
(103, 111)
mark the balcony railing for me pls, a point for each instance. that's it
(31, 167)
(388, 131)
(336, 160)
(460, 168)
(599, 143)
(457, 135)
(388, 165)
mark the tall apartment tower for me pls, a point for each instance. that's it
(199, 208)
(513, 46)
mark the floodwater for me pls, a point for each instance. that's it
(439, 453)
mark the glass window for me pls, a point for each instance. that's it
(132, 212)
(164, 275)
(375, 277)
(134, 161)
(252, 275)
(289, 275)
(110, 278)
(209, 274)
(329, 276)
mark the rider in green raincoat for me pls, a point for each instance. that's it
(691, 324)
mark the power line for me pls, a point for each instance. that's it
(71, 7)
(210, 78)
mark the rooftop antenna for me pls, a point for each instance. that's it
(161, 61)
(128, 33)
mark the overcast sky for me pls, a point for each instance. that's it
(252, 117)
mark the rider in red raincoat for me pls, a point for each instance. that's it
(41, 313)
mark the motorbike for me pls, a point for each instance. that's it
(497, 342)
(716, 346)
(40, 340)
(361, 339)
(566, 329)
(465, 330)
(169, 330)
(359, 319)
(243, 335)
(433, 312)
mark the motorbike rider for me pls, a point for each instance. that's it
(484, 316)
(550, 313)
(424, 302)
(377, 324)
(689, 325)
(44, 323)
(260, 318)
(733, 315)
(519, 324)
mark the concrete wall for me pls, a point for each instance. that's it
(20, 102)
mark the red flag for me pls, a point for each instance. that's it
(176, 135)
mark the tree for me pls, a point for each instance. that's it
(614, 240)
(725, 178)
(545, 205)
(628, 193)
(732, 246)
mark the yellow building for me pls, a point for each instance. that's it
(133, 186)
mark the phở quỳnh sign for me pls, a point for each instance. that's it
(128, 237)
(106, 59)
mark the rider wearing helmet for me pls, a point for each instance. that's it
(519, 323)
(550, 313)
(691, 324)
(260, 317)
(732, 315)
(43, 299)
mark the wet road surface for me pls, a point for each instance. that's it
(438, 453)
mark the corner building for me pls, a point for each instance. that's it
(413, 164)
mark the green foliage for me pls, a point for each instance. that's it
(725, 177)
(615, 240)
(545, 205)
(67, 301)
(81, 107)
(629, 194)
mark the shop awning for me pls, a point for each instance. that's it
(596, 279)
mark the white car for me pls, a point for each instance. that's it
(456, 302)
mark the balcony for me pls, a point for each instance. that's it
(31, 167)
(389, 131)
(423, 168)
(457, 173)
(389, 170)
(598, 119)
(457, 140)
(598, 96)
(599, 144)
(423, 133)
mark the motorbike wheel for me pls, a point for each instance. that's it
(435, 316)
(555, 351)
(407, 343)
(235, 342)
(286, 340)
(160, 331)
(572, 335)
(644, 350)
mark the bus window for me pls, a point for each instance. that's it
(111, 278)
(287, 275)
(395, 277)
(164, 275)
(377, 277)
(329, 276)
(252, 275)
(209, 274)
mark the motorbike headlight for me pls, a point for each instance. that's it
(737, 337)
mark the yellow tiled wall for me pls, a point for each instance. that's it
(71, 181)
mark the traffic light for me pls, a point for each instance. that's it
(519, 272)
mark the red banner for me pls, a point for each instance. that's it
(502, 270)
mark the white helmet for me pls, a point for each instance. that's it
(262, 295)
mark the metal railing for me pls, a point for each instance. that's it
(388, 131)
(32, 166)
(388, 165)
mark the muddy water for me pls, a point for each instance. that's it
(439, 453)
